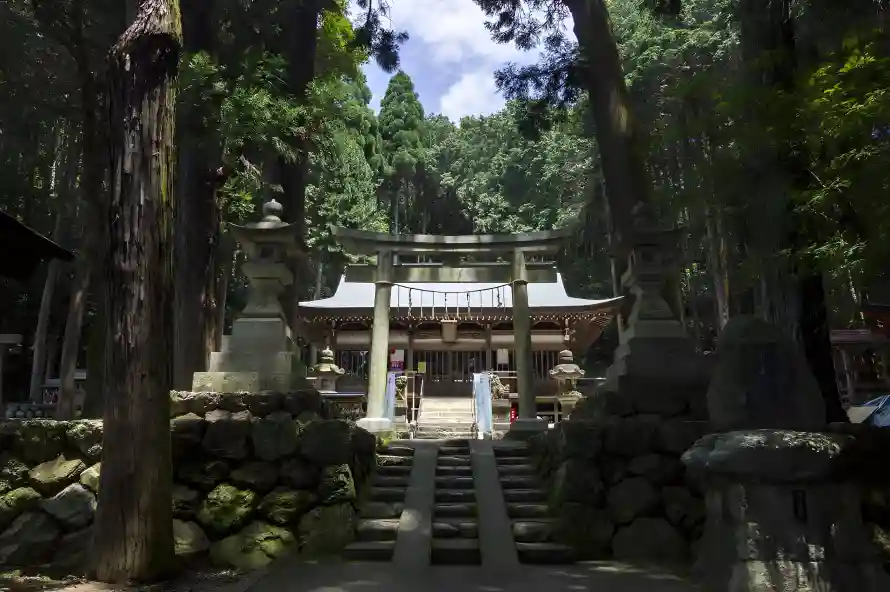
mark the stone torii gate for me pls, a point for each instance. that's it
(517, 273)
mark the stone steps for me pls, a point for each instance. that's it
(455, 527)
(517, 469)
(453, 471)
(532, 524)
(369, 551)
(504, 461)
(525, 496)
(463, 551)
(446, 528)
(545, 553)
(440, 431)
(454, 510)
(377, 527)
(454, 482)
(390, 481)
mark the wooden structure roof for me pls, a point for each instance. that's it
(23, 249)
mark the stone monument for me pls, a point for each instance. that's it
(782, 513)
(566, 374)
(259, 355)
(617, 486)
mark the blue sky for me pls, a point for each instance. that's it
(450, 57)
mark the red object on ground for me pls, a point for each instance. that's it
(514, 413)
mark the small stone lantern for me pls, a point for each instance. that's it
(566, 373)
(269, 245)
(327, 372)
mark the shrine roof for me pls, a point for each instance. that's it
(544, 296)
(23, 249)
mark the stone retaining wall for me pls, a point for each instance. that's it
(617, 486)
(254, 476)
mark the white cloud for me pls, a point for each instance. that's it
(473, 94)
(455, 39)
(454, 30)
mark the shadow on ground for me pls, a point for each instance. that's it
(371, 577)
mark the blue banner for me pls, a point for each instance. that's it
(482, 396)
(389, 399)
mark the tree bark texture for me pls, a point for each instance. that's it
(302, 45)
(620, 149)
(197, 233)
(794, 298)
(133, 538)
(94, 202)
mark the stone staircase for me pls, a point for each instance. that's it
(527, 508)
(441, 487)
(455, 529)
(442, 418)
(380, 512)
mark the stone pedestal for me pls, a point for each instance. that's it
(616, 482)
(781, 516)
(656, 369)
(525, 428)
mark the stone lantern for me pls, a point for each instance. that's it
(259, 354)
(784, 509)
(566, 374)
(327, 372)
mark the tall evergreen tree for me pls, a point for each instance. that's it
(402, 129)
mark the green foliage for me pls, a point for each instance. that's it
(846, 111)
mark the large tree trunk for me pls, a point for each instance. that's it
(718, 267)
(197, 233)
(302, 44)
(133, 537)
(794, 298)
(621, 151)
(93, 202)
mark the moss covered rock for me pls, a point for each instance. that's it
(227, 508)
(189, 539)
(327, 442)
(203, 475)
(73, 507)
(299, 474)
(336, 486)
(274, 436)
(258, 476)
(186, 501)
(283, 505)
(73, 554)
(325, 530)
(254, 547)
(13, 472)
(86, 436)
(15, 503)
(182, 402)
(186, 433)
(29, 541)
(40, 440)
(90, 477)
(226, 433)
(52, 476)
